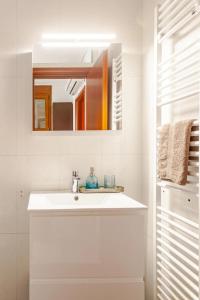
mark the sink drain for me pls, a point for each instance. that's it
(76, 198)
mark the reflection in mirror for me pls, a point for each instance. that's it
(42, 107)
(77, 89)
(40, 119)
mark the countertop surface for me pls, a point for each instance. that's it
(42, 201)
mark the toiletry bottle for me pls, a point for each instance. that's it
(91, 181)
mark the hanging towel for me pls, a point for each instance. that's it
(173, 152)
(178, 149)
(163, 151)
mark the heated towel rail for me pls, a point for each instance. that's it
(117, 93)
(176, 208)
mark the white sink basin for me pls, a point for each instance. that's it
(68, 201)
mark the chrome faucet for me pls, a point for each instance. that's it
(75, 182)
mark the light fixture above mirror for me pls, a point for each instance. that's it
(79, 40)
(76, 44)
(79, 36)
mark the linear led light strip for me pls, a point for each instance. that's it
(76, 44)
(70, 40)
(79, 36)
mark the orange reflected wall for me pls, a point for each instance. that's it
(80, 111)
(97, 95)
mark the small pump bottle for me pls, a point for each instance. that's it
(92, 181)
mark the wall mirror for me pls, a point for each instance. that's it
(77, 88)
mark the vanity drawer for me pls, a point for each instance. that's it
(106, 289)
(86, 246)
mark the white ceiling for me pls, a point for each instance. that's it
(59, 88)
(74, 57)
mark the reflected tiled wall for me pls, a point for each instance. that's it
(29, 161)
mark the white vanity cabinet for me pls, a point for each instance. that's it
(90, 249)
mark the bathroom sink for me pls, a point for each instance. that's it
(69, 201)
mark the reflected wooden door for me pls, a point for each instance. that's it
(62, 116)
(42, 99)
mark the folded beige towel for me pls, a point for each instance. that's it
(163, 152)
(173, 152)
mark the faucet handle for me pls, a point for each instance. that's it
(75, 182)
(75, 173)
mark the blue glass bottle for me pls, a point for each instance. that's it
(92, 181)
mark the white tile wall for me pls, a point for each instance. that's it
(8, 116)
(8, 58)
(8, 16)
(8, 266)
(29, 161)
(22, 266)
(8, 188)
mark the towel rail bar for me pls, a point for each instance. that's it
(180, 60)
(118, 59)
(178, 26)
(192, 274)
(177, 53)
(176, 234)
(178, 88)
(118, 65)
(179, 98)
(163, 284)
(169, 81)
(165, 8)
(178, 245)
(159, 295)
(195, 123)
(193, 178)
(185, 8)
(194, 72)
(195, 133)
(193, 163)
(175, 187)
(178, 217)
(194, 144)
(174, 287)
(194, 153)
(178, 282)
(182, 69)
(179, 255)
(190, 173)
(172, 14)
(179, 274)
(178, 226)
(167, 289)
(117, 119)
